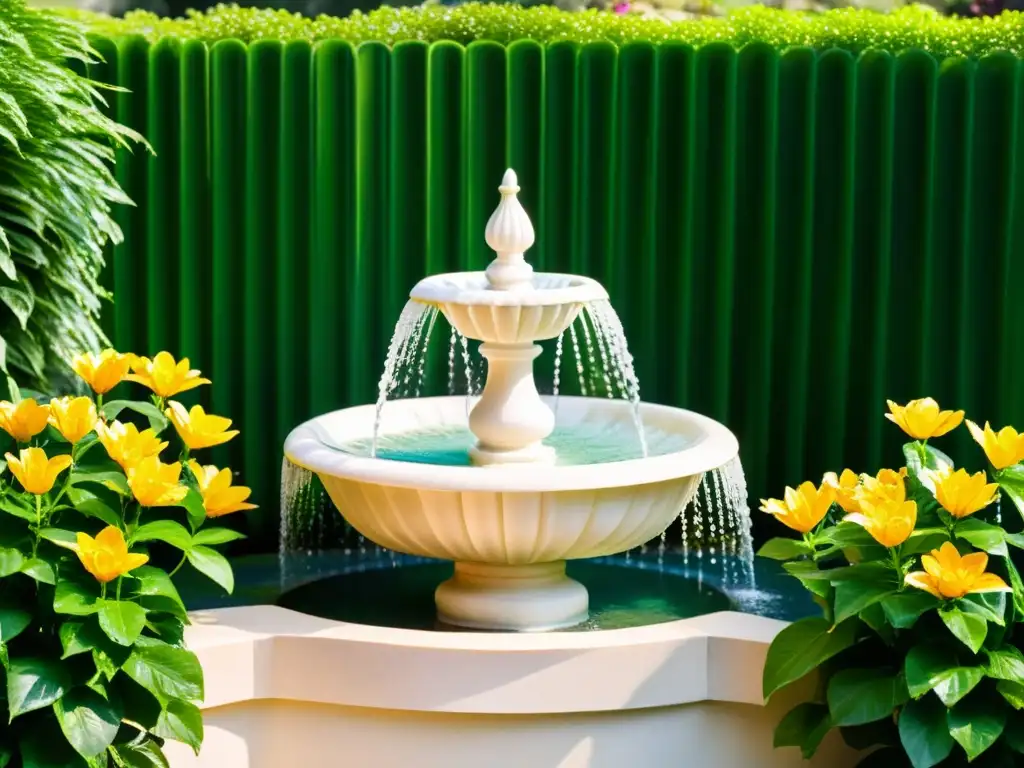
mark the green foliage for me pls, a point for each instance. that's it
(918, 652)
(855, 30)
(92, 657)
(56, 192)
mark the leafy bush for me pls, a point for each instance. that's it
(56, 190)
(91, 628)
(919, 646)
(851, 29)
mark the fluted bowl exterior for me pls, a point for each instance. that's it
(508, 527)
(511, 324)
(513, 514)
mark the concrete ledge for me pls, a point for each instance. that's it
(284, 688)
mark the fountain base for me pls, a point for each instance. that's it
(512, 598)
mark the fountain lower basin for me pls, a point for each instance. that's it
(510, 528)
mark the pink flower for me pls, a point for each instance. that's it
(621, 8)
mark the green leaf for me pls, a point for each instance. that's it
(1011, 483)
(852, 597)
(122, 621)
(157, 420)
(40, 570)
(166, 531)
(919, 458)
(214, 565)
(1017, 585)
(89, 721)
(160, 604)
(60, 537)
(193, 505)
(11, 561)
(168, 628)
(75, 599)
(155, 581)
(845, 534)
(800, 647)
(34, 683)
(875, 618)
(970, 629)
(173, 673)
(975, 724)
(75, 638)
(1012, 691)
(857, 696)
(1007, 663)
(928, 668)
(870, 571)
(91, 505)
(991, 606)
(145, 755)
(211, 536)
(982, 535)
(905, 608)
(113, 480)
(181, 721)
(803, 726)
(783, 549)
(19, 301)
(922, 541)
(105, 664)
(15, 507)
(13, 621)
(924, 734)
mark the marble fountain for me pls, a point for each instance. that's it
(517, 666)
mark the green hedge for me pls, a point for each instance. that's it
(913, 27)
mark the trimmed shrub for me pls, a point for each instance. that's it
(912, 27)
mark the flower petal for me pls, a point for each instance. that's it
(922, 580)
(989, 582)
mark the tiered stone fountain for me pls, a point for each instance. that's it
(520, 493)
(512, 518)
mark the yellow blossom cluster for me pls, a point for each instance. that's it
(152, 482)
(880, 505)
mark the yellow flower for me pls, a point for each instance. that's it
(35, 471)
(887, 485)
(845, 486)
(126, 445)
(219, 496)
(1003, 448)
(106, 557)
(101, 372)
(165, 376)
(74, 417)
(199, 429)
(802, 508)
(889, 522)
(24, 420)
(962, 494)
(922, 419)
(948, 575)
(155, 484)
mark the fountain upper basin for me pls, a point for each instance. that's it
(511, 514)
(537, 311)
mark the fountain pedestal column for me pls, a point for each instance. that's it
(511, 598)
(510, 421)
